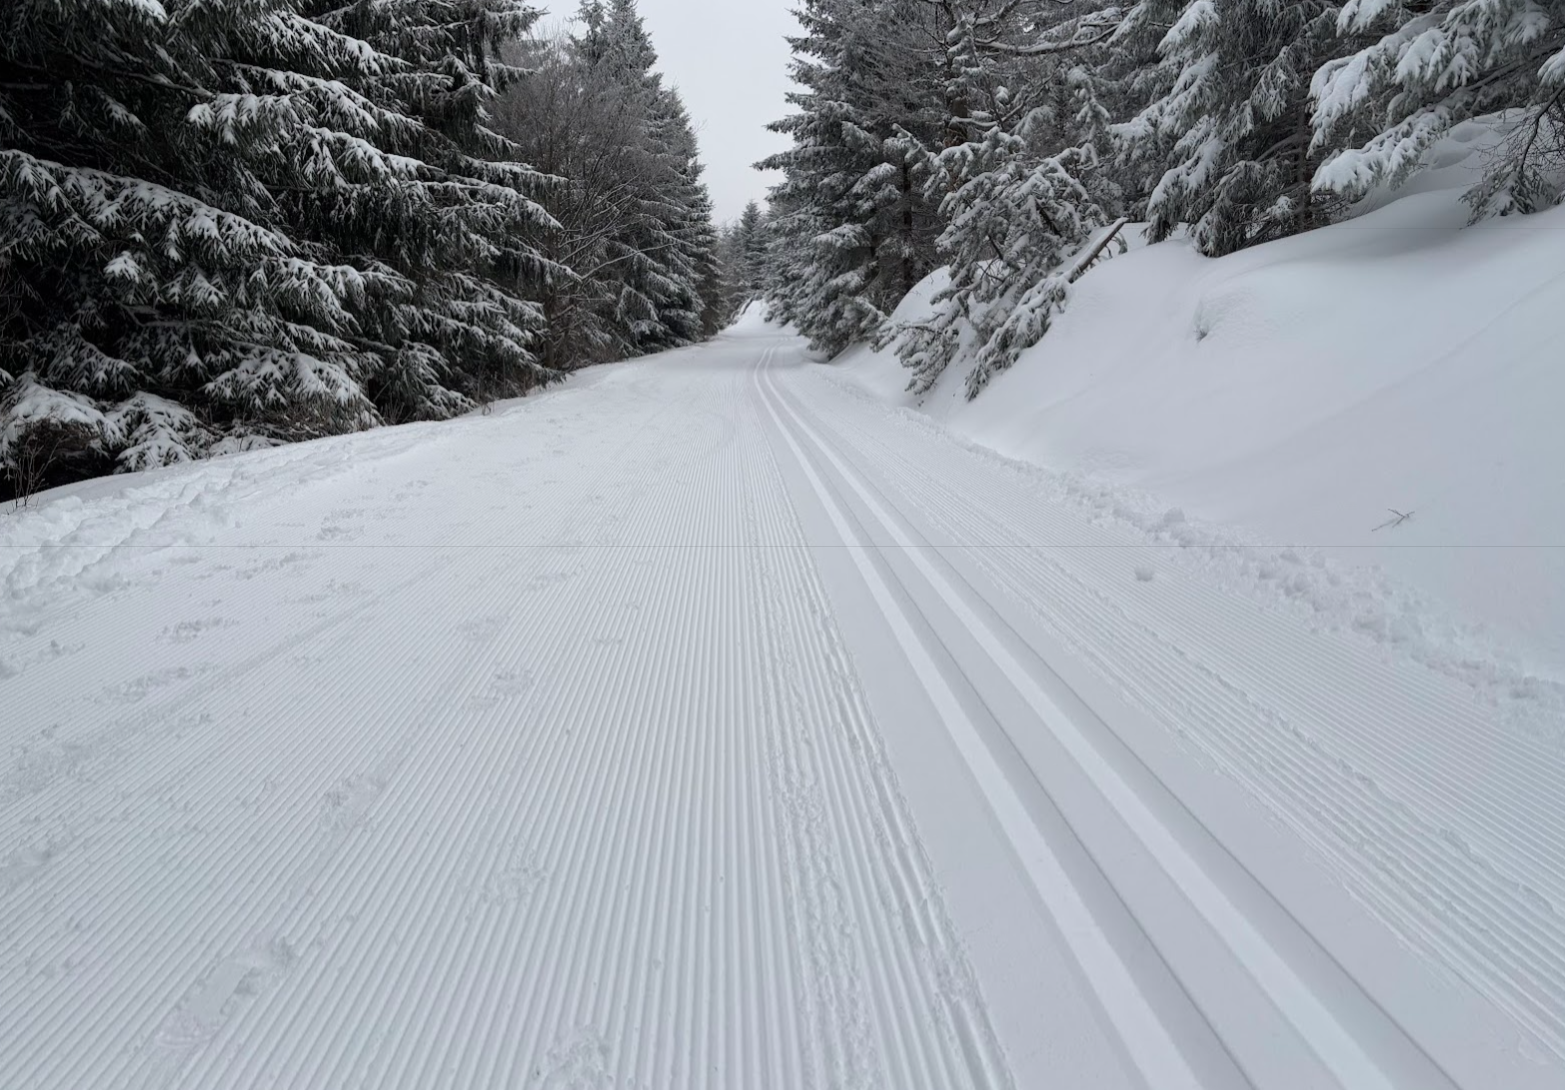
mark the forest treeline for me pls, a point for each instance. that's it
(227, 224)
(1007, 140)
(232, 223)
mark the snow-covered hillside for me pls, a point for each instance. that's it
(1305, 391)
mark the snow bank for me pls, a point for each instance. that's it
(1308, 388)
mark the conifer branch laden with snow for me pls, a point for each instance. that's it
(995, 137)
(230, 224)
(1431, 66)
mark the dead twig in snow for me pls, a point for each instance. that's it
(1401, 517)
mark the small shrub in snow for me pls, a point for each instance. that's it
(48, 437)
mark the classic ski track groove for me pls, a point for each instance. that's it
(1338, 785)
(787, 933)
(1331, 1033)
(580, 787)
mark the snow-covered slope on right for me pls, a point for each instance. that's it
(1302, 396)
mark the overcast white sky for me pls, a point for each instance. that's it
(730, 63)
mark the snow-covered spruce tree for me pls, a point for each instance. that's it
(790, 229)
(1431, 65)
(458, 229)
(857, 209)
(1016, 223)
(750, 253)
(1027, 184)
(227, 219)
(681, 239)
(577, 130)
(706, 247)
(1225, 121)
(743, 259)
(662, 247)
(730, 262)
(632, 239)
(145, 285)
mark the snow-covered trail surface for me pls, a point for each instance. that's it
(705, 725)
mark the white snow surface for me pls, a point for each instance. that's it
(1305, 390)
(708, 723)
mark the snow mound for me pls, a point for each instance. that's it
(1315, 391)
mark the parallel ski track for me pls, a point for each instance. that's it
(1317, 1017)
(1450, 827)
(635, 828)
(602, 804)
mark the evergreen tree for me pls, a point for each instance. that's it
(466, 333)
(750, 244)
(706, 244)
(1225, 125)
(1027, 188)
(1431, 66)
(658, 257)
(633, 246)
(860, 184)
(230, 221)
(143, 255)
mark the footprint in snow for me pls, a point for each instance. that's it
(187, 631)
(36, 770)
(580, 1061)
(220, 991)
(288, 562)
(138, 689)
(28, 863)
(346, 806)
(504, 685)
(483, 629)
(513, 883)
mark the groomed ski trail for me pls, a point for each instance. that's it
(706, 725)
